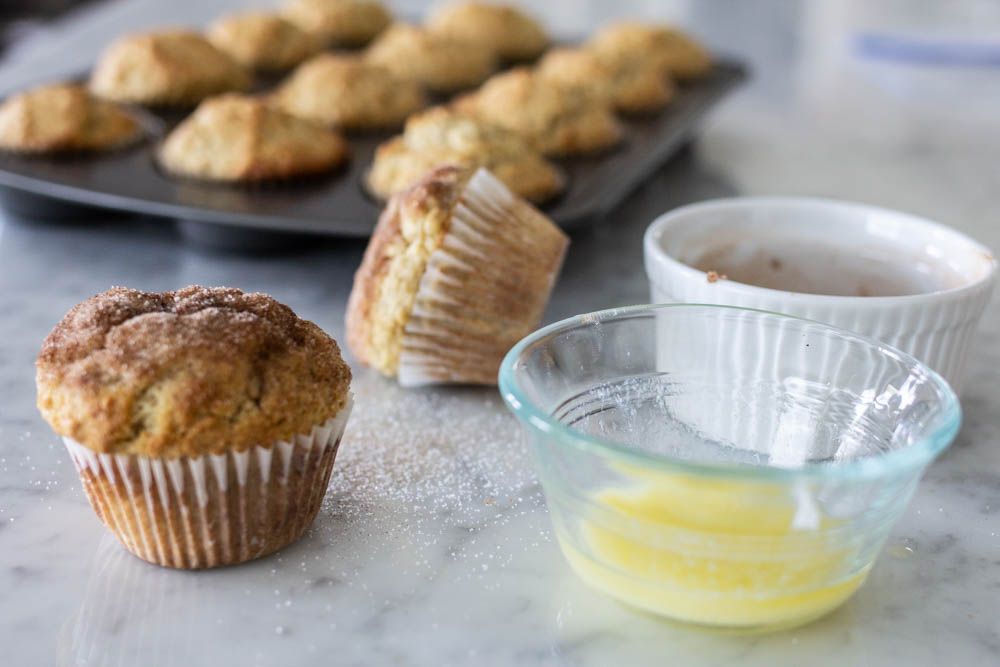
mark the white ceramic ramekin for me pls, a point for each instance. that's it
(934, 326)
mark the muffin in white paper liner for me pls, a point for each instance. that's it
(215, 509)
(485, 287)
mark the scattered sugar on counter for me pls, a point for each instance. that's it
(413, 476)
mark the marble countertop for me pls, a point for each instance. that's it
(433, 545)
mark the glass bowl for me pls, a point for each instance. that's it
(724, 466)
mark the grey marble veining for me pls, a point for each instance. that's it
(433, 545)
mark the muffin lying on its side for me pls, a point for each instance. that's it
(204, 422)
(262, 40)
(443, 136)
(343, 23)
(168, 67)
(673, 52)
(630, 85)
(552, 119)
(458, 270)
(346, 92)
(239, 138)
(63, 117)
(440, 63)
(512, 34)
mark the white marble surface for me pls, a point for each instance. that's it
(433, 545)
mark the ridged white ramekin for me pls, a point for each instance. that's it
(936, 327)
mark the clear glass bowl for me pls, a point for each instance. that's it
(724, 466)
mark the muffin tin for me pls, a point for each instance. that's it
(335, 204)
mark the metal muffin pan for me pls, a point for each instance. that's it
(335, 204)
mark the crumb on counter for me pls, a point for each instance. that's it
(715, 276)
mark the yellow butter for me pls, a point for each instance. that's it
(714, 552)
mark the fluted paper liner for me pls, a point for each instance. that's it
(484, 288)
(216, 509)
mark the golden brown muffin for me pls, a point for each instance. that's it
(631, 85)
(512, 34)
(441, 136)
(440, 63)
(458, 270)
(169, 67)
(204, 423)
(552, 119)
(185, 373)
(240, 138)
(345, 23)
(672, 51)
(63, 117)
(345, 91)
(262, 40)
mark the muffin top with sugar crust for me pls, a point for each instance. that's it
(189, 372)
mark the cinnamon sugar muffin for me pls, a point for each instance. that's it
(675, 53)
(63, 117)
(457, 271)
(343, 23)
(441, 136)
(440, 63)
(512, 34)
(631, 85)
(203, 422)
(552, 119)
(345, 91)
(239, 138)
(168, 67)
(262, 40)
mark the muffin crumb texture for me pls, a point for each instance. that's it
(185, 373)
(458, 270)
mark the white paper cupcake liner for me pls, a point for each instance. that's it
(216, 509)
(484, 288)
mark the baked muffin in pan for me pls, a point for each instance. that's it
(630, 85)
(674, 52)
(237, 138)
(347, 92)
(442, 135)
(262, 40)
(512, 34)
(167, 67)
(339, 23)
(552, 119)
(441, 63)
(64, 117)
